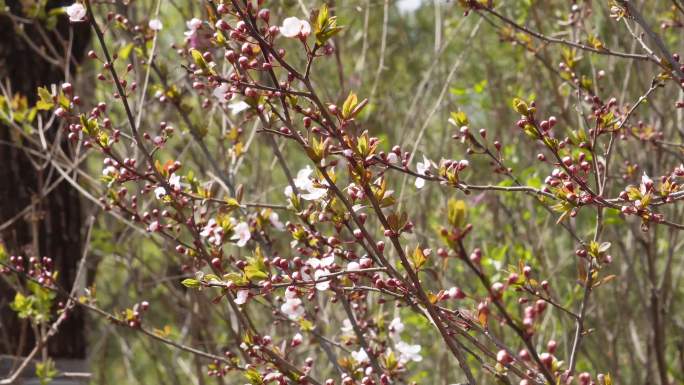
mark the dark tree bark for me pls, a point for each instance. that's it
(54, 224)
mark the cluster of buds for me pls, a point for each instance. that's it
(562, 185)
(39, 269)
(134, 316)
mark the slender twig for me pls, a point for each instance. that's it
(550, 39)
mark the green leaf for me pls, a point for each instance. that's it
(191, 283)
(608, 379)
(457, 210)
(253, 376)
(322, 18)
(460, 118)
(232, 203)
(325, 26)
(391, 360)
(236, 278)
(480, 86)
(45, 102)
(46, 371)
(125, 51)
(419, 258)
(306, 325)
(200, 62)
(21, 305)
(253, 272)
(256, 268)
(349, 105)
(520, 106)
(211, 278)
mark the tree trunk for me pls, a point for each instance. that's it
(53, 226)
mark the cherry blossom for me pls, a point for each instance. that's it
(109, 170)
(242, 234)
(421, 169)
(346, 326)
(221, 92)
(292, 307)
(155, 25)
(323, 285)
(305, 184)
(408, 352)
(237, 107)
(160, 192)
(193, 25)
(646, 184)
(294, 27)
(360, 356)
(396, 327)
(679, 170)
(321, 263)
(174, 182)
(76, 12)
(154, 226)
(213, 232)
(274, 218)
(353, 266)
(241, 297)
(273, 376)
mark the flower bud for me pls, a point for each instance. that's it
(503, 357)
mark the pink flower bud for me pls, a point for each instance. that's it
(264, 14)
(503, 357)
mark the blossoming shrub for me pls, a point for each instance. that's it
(530, 236)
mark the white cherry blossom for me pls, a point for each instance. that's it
(76, 12)
(360, 356)
(408, 352)
(241, 297)
(174, 181)
(304, 183)
(421, 169)
(321, 263)
(353, 266)
(237, 107)
(346, 326)
(323, 285)
(274, 218)
(293, 308)
(242, 234)
(155, 25)
(294, 27)
(396, 327)
(109, 170)
(159, 192)
(221, 91)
